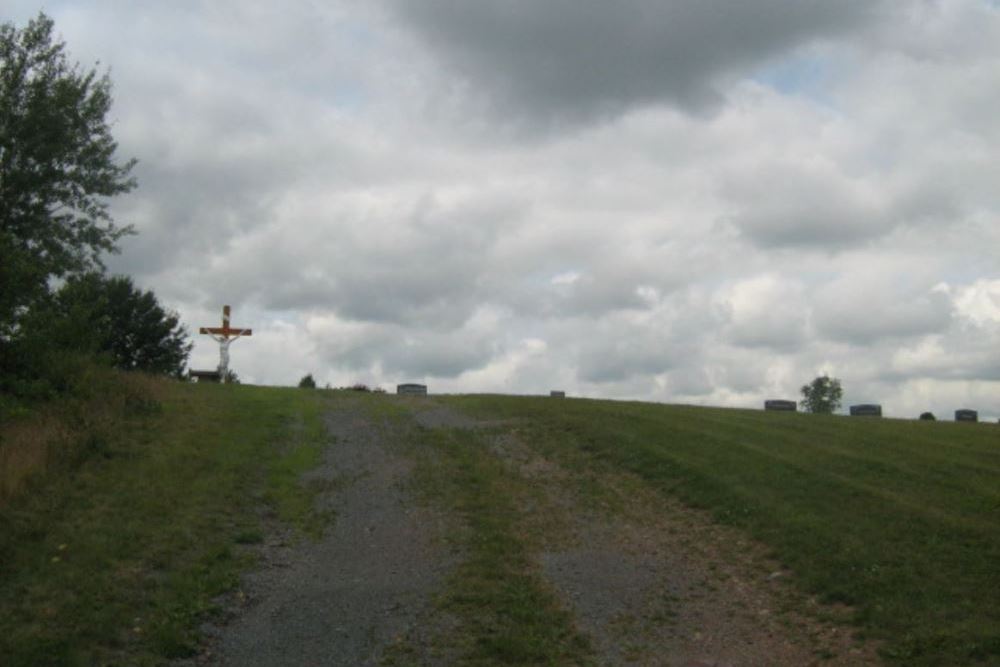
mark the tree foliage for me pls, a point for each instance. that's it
(113, 317)
(307, 382)
(822, 395)
(57, 168)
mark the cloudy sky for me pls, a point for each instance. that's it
(705, 202)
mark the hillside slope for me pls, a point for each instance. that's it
(710, 530)
(899, 519)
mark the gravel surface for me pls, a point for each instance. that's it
(369, 580)
(650, 581)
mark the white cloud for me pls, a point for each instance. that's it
(389, 192)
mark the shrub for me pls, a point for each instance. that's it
(928, 416)
(307, 382)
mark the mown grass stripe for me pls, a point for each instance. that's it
(898, 518)
(506, 614)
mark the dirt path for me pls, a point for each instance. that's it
(655, 583)
(649, 581)
(652, 582)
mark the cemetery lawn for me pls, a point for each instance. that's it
(898, 519)
(117, 560)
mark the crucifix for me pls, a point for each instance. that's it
(224, 335)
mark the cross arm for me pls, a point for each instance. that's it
(225, 331)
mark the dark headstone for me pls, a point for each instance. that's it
(866, 410)
(206, 376)
(412, 389)
(966, 416)
(555, 393)
(780, 405)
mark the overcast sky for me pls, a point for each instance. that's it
(705, 202)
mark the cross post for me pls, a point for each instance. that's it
(224, 335)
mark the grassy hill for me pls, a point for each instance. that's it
(900, 519)
(116, 558)
(129, 525)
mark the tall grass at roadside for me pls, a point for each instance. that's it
(118, 559)
(59, 435)
(900, 519)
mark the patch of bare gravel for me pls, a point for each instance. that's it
(655, 583)
(347, 598)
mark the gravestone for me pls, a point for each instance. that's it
(778, 405)
(555, 393)
(206, 376)
(411, 389)
(866, 410)
(966, 416)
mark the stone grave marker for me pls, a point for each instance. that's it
(866, 410)
(966, 416)
(778, 405)
(206, 376)
(411, 389)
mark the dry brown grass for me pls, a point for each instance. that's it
(57, 435)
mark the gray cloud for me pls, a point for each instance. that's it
(345, 177)
(802, 205)
(572, 59)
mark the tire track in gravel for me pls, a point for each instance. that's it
(343, 600)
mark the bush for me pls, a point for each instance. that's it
(307, 382)
(928, 416)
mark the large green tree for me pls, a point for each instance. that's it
(57, 168)
(822, 395)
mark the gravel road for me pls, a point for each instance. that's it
(648, 580)
(342, 600)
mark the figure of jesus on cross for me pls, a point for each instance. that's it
(224, 335)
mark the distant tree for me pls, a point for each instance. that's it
(113, 317)
(57, 169)
(928, 416)
(822, 395)
(307, 382)
(229, 377)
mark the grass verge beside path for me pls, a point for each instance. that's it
(117, 561)
(505, 613)
(899, 519)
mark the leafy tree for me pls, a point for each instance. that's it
(113, 317)
(822, 395)
(928, 416)
(57, 168)
(307, 382)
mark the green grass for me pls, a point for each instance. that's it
(900, 519)
(506, 614)
(116, 556)
(116, 560)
